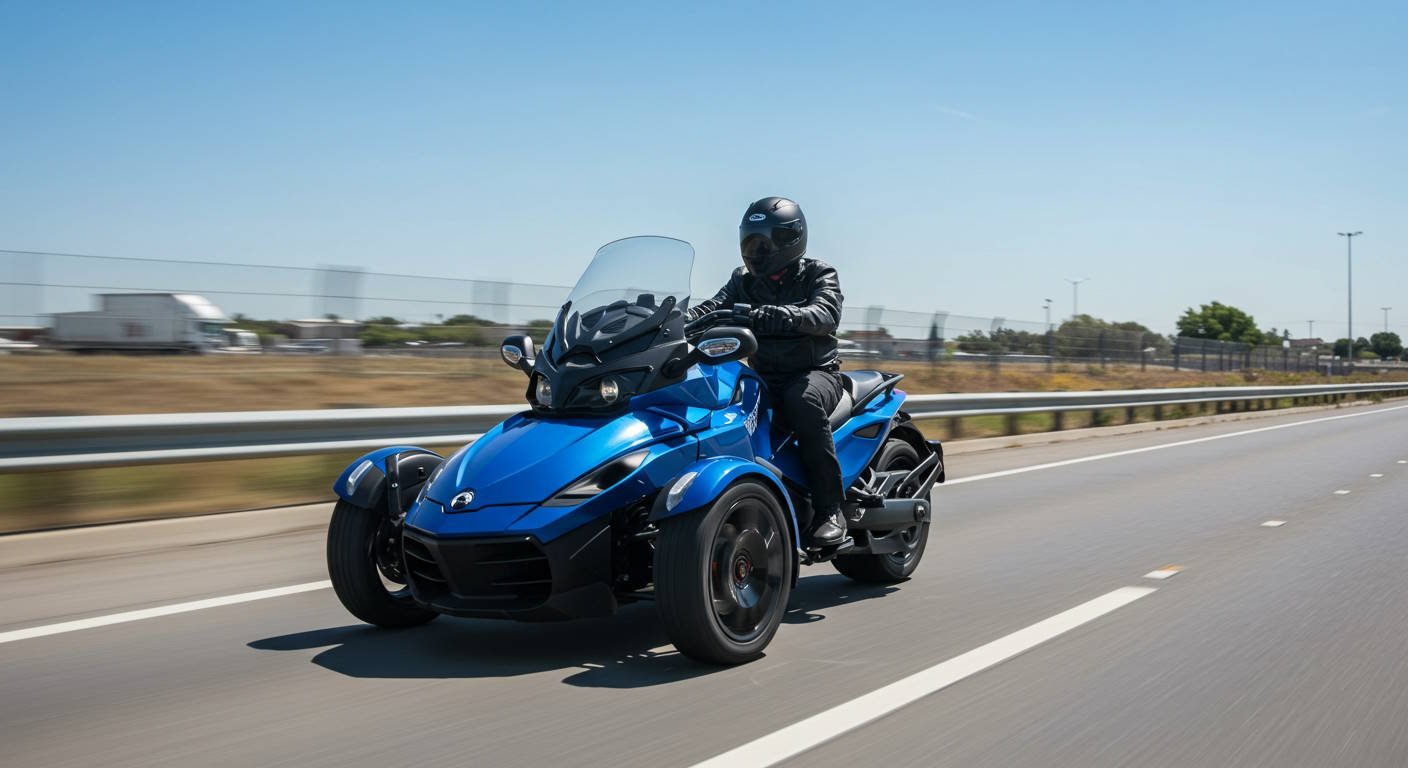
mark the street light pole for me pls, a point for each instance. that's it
(1310, 334)
(1349, 254)
(1075, 294)
(1385, 309)
(1047, 307)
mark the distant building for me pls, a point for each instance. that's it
(323, 329)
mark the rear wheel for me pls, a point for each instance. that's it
(722, 575)
(367, 570)
(895, 566)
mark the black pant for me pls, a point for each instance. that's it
(805, 401)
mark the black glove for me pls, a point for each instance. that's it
(771, 318)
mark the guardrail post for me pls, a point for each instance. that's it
(1129, 415)
(1158, 413)
(955, 427)
(1058, 421)
(1012, 424)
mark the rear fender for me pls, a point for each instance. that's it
(363, 482)
(709, 478)
(906, 430)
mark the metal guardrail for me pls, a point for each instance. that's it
(80, 442)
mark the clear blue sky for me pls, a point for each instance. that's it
(965, 159)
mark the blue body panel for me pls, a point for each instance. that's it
(714, 475)
(715, 422)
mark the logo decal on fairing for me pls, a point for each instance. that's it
(757, 217)
(751, 423)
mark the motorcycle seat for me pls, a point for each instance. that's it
(859, 386)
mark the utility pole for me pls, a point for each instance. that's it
(1310, 334)
(1385, 309)
(1047, 307)
(1349, 253)
(1075, 294)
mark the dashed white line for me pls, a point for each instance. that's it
(1273, 523)
(1163, 446)
(1377, 474)
(1166, 572)
(822, 727)
(163, 610)
(1342, 492)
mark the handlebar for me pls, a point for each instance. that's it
(737, 314)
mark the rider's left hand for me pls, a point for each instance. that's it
(771, 318)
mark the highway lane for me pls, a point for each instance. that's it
(1273, 646)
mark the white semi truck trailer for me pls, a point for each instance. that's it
(147, 322)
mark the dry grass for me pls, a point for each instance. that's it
(59, 385)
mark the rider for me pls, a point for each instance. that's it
(796, 306)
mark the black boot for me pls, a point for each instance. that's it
(832, 528)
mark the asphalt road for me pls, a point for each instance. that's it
(1284, 646)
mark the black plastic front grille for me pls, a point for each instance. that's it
(508, 574)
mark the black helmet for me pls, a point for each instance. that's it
(772, 236)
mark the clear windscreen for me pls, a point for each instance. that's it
(640, 271)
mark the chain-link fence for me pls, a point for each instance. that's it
(302, 310)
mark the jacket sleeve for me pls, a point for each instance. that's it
(724, 299)
(821, 314)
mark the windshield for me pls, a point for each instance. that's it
(631, 269)
(629, 291)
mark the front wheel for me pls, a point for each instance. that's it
(892, 567)
(367, 571)
(722, 575)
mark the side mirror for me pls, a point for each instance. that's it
(517, 351)
(721, 344)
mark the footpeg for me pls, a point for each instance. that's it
(820, 554)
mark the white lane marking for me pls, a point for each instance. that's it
(1341, 492)
(1377, 474)
(162, 610)
(1162, 446)
(1273, 523)
(1166, 572)
(824, 726)
(1403, 461)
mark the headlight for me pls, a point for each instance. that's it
(598, 480)
(544, 391)
(610, 390)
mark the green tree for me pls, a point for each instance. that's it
(1220, 321)
(468, 320)
(1087, 336)
(1361, 345)
(1386, 344)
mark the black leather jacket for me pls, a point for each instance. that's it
(812, 293)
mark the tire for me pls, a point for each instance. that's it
(722, 575)
(896, 567)
(367, 589)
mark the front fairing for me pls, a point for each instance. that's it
(620, 329)
(518, 466)
(527, 459)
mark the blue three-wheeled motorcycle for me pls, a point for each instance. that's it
(647, 466)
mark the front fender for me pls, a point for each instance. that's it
(363, 481)
(711, 477)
